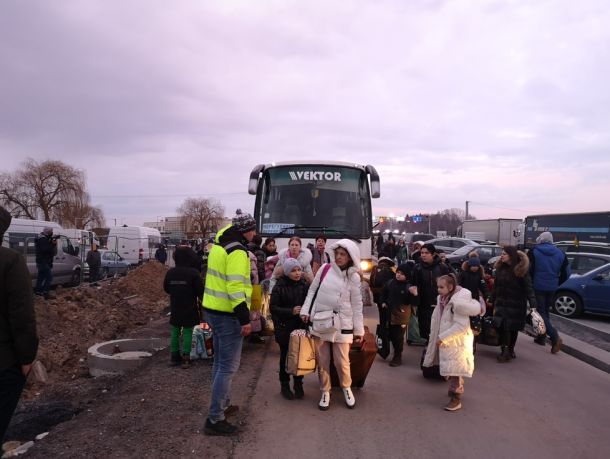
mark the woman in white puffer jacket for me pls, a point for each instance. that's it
(451, 339)
(339, 291)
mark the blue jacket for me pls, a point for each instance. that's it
(549, 267)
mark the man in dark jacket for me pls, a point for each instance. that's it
(549, 268)
(46, 249)
(425, 274)
(94, 260)
(161, 254)
(18, 339)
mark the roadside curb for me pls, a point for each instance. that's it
(585, 352)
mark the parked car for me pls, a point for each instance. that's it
(411, 238)
(451, 244)
(112, 264)
(584, 292)
(588, 247)
(581, 263)
(485, 252)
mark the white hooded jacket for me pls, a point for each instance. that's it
(339, 291)
(455, 356)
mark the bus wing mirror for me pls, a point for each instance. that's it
(254, 176)
(375, 183)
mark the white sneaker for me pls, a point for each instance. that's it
(350, 401)
(324, 401)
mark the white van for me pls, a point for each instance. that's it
(80, 238)
(22, 234)
(134, 243)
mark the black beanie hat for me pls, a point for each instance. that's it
(405, 268)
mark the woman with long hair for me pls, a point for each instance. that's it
(511, 292)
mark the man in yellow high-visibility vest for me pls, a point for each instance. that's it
(226, 303)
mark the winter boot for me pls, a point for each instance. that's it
(396, 360)
(504, 356)
(454, 404)
(350, 401)
(556, 346)
(324, 401)
(286, 392)
(175, 359)
(540, 339)
(511, 352)
(220, 428)
(298, 389)
(186, 361)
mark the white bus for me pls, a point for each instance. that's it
(307, 198)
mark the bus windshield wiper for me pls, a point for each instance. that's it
(322, 229)
(344, 234)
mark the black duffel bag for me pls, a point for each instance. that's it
(490, 334)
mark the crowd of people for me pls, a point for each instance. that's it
(315, 288)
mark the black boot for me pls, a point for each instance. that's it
(286, 392)
(298, 388)
(396, 360)
(511, 352)
(504, 356)
(175, 359)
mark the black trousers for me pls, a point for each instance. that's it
(11, 385)
(508, 338)
(424, 316)
(397, 337)
(384, 315)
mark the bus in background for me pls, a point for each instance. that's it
(307, 198)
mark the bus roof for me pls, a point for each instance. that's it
(315, 162)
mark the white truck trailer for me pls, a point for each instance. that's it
(507, 231)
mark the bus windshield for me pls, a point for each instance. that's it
(314, 199)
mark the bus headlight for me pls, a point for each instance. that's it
(366, 266)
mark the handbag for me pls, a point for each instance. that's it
(301, 357)
(326, 322)
(476, 325)
(490, 335)
(537, 322)
(255, 321)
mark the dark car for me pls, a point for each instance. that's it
(584, 292)
(485, 252)
(411, 238)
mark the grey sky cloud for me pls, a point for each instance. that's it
(450, 101)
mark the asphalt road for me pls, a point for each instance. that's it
(539, 406)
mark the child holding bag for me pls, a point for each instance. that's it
(451, 339)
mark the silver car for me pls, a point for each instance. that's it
(112, 264)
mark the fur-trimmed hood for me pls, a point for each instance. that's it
(352, 249)
(521, 268)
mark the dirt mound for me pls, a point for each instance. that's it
(80, 317)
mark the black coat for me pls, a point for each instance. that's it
(379, 277)
(184, 286)
(474, 282)
(285, 296)
(94, 259)
(424, 278)
(18, 338)
(396, 294)
(46, 249)
(511, 293)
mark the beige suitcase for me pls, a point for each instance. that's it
(301, 358)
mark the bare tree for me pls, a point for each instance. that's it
(201, 216)
(51, 189)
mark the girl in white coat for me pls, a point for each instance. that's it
(451, 338)
(338, 293)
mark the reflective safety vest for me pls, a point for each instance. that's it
(227, 281)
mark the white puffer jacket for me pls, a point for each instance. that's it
(339, 291)
(455, 357)
(304, 259)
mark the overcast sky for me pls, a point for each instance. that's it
(502, 103)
